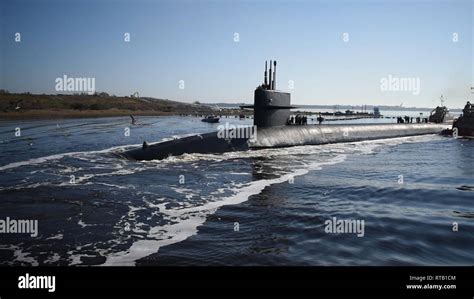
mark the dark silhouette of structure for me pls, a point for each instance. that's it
(465, 124)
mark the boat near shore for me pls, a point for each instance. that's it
(211, 119)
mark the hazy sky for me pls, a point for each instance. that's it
(194, 41)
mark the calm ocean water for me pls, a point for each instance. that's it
(265, 207)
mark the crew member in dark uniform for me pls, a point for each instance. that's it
(320, 118)
(467, 109)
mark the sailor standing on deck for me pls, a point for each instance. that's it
(467, 109)
(320, 118)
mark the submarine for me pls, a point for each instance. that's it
(272, 129)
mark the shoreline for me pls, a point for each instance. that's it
(71, 114)
(28, 106)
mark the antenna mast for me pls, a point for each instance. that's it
(270, 74)
(274, 75)
(265, 84)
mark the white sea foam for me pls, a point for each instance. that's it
(53, 259)
(21, 256)
(83, 224)
(185, 220)
(56, 237)
(189, 219)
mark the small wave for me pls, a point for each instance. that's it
(60, 156)
(469, 215)
(465, 188)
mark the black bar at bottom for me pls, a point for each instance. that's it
(160, 282)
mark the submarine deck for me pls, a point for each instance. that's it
(294, 135)
(281, 136)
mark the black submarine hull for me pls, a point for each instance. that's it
(201, 143)
(282, 136)
(325, 134)
(464, 126)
